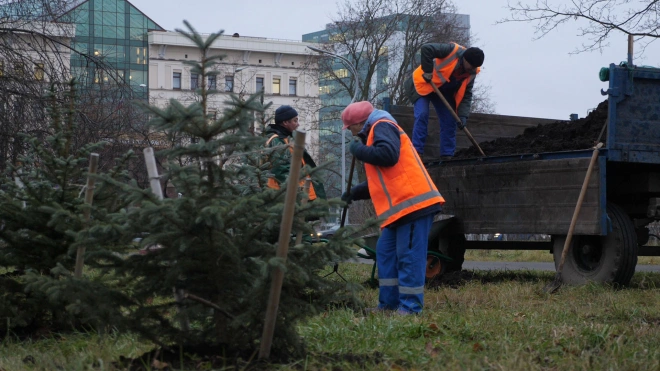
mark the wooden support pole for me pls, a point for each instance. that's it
(152, 172)
(283, 245)
(154, 183)
(89, 197)
(19, 184)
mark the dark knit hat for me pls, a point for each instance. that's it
(474, 56)
(284, 113)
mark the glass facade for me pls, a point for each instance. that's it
(114, 32)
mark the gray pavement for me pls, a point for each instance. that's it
(535, 266)
(516, 266)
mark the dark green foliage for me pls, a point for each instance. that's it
(41, 207)
(217, 242)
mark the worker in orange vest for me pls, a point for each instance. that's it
(452, 68)
(405, 199)
(286, 121)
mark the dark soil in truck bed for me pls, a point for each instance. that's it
(559, 136)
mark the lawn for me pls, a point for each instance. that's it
(475, 321)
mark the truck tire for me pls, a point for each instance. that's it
(607, 259)
(452, 246)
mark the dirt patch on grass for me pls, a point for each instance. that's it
(555, 137)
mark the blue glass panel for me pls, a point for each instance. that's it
(98, 18)
(109, 5)
(82, 29)
(109, 19)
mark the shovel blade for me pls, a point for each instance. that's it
(554, 285)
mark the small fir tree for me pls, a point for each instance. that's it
(214, 244)
(41, 211)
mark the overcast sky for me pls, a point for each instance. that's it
(527, 78)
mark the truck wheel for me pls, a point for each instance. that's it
(434, 267)
(610, 259)
(453, 246)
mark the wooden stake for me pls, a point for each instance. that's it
(19, 183)
(283, 245)
(89, 197)
(152, 172)
(154, 183)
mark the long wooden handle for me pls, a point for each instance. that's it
(449, 107)
(348, 187)
(578, 206)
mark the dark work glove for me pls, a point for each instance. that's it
(427, 76)
(354, 146)
(347, 197)
(463, 123)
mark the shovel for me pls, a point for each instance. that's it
(335, 267)
(556, 283)
(465, 129)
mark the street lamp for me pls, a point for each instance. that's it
(355, 94)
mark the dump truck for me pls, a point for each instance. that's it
(535, 194)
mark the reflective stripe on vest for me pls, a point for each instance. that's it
(441, 72)
(401, 189)
(442, 64)
(274, 184)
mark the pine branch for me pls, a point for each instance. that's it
(208, 304)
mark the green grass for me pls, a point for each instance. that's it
(498, 321)
(71, 352)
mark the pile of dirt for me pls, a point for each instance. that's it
(555, 137)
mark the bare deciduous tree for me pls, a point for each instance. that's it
(382, 40)
(598, 19)
(35, 58)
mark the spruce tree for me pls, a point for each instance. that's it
(41, 211)
(214, 244)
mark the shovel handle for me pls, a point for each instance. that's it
(467, 132)
(578, 206)
(350, 181)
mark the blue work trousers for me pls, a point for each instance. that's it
(447, 125)
(401, 259)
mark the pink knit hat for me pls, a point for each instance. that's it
(356, 113)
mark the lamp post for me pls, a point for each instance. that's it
(238, 69)
(350, 66)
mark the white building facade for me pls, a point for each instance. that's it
(285, 70)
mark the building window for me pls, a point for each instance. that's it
(19, 69)
(260, 84)
(276, 85)
(176, 80)
(194, 81)
(39, 71)
(292, 86)
(229, 83)
(212, 84)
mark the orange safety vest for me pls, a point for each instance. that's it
(401, 189)
(441, 74)
(274, 184)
